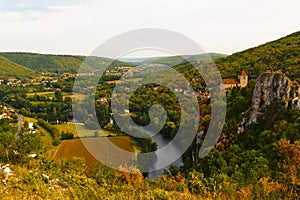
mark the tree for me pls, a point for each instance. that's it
(290, 153)
(58, 95)
(103, 115)
(66, 136)
(26, 124)
(28, 143)
(6, 146)
(96, 134)
(169, 129)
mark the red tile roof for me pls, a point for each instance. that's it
(231, 81)
(295, 83)
(243, 73)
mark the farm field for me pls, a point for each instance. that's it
(69, 128)
(79, 97)
(135, 80)
(84, 132)
(76, 96)
(76, 148)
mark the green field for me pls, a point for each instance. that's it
(29, 120)
(47, 94)
(76, 96)
(84, 132)
(52, 95)
(70, 128)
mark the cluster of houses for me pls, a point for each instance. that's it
(47, 73)
(113, 72)
(11, 82)
(103, 100)
(118, 71)
(85, 74)
(32, 128)
(203, 95)
(124, 68)
(7, 111)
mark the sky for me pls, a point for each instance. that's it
(78, 26)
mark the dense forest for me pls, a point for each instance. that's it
(282, 54)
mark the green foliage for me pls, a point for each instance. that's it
(26, 144)
(144, 98)
(52, 130)
(282, 54)
(261, 163)
(102, 114)
(16, 151)
(57, 63)
(175, 60)
(9, 68)
(58, 95)
(76, 180)
(26, 124)
(66, 136)
(252, 161)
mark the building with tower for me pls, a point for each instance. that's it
(241, 81)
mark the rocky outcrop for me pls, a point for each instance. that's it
(271, 87)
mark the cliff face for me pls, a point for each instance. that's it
(271, 87)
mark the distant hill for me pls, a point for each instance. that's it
(282, 54)
(56, 63)
(174, 60)
(9, 68)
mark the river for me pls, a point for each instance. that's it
(161, 142)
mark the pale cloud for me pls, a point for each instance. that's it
(77, 27)
(25, 5)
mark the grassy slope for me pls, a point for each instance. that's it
(9, 68)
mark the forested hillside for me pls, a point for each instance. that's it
(175, 60)
(282, 54)
(56, 63)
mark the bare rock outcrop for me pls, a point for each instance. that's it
(271, 87)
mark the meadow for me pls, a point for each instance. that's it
(74, 128)
(51, 95)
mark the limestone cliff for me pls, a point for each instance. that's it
(271, 87)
